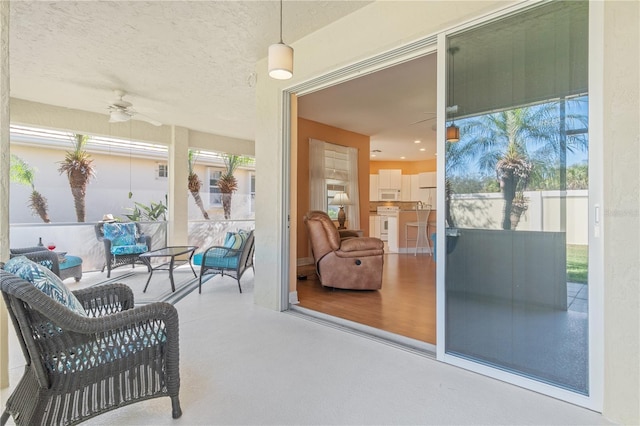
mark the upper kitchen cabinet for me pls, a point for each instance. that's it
(390, 179)
(427, 180)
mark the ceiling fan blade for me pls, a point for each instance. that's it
(148, 119)
(422, 121)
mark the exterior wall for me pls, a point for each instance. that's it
(116, 175)
(386, 25)
(310, 129)
(620, 108)
(485, 211)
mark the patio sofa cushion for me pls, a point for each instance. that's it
(120, 234)
(44, 280)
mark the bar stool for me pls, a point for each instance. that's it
(421, 225)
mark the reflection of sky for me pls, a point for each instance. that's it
(575, 108)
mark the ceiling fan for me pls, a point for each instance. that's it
(425, 119)
(121, 110)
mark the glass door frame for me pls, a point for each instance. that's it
(594, 400)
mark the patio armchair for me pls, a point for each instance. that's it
(87, 351)
(232, 259)
(123, 244)
(350, 263)
(71, 266)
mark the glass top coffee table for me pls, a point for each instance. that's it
(170, 252)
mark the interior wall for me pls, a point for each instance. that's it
(407, 167)
(311, 129)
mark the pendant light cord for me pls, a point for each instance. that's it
(281, 22)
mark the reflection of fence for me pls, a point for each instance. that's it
(80, 240)
(553, 211)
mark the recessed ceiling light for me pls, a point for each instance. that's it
(402, 158)
(423, 149)
(417, 141)
(373, 155)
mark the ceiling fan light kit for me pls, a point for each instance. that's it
(118, 116)
(280, 57)
(121, 111)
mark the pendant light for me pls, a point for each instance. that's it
(453, 132)
(280, 57)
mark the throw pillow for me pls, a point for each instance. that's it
(120, 234)
(236, 240)
(45, 281)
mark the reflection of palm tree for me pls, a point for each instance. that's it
(23, 173)
(518, 145)
(227, 182)
(78, 166)
(195, 183)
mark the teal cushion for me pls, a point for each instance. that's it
(218, 258)
(70, 262)
(120, 234)
(44, 280)
(129, 249)
(107, 349)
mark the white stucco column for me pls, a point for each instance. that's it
(178, 226)
(4, 181)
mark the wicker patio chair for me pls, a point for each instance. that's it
(80, 366)
(114, 257)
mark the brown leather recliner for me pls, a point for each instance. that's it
(351, 263)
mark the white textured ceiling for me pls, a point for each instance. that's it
(191, 63)
(187, 63)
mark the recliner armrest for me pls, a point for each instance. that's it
(361, 244)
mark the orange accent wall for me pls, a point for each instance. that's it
(407, 167)
(311, 129)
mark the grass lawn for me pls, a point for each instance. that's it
(577, 261)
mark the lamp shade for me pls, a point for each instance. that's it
(340, 199)
(280, 61)
(453, 133)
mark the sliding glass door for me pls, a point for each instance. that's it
(517, 195)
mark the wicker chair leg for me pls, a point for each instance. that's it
(4, 418)
(175, 407)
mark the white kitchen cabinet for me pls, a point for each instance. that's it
(390, 179)
(427, 180)
(374, 226)
(405, 192)
(373, 188)
(392, 234)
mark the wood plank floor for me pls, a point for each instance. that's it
(406, 304)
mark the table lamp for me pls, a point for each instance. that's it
(341, 199)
